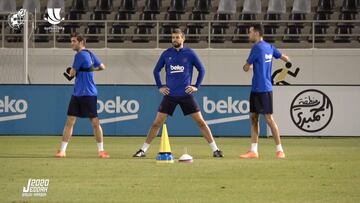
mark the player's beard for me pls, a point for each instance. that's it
(176, 45)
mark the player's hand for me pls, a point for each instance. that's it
(191, 89)
(164, 90)
(67, 74)
(247, 67)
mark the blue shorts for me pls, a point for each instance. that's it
(83, 106)
(261, 102)
(187, 103)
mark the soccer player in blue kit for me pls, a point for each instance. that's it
(261, 100)
(179, 62)
(83, 101)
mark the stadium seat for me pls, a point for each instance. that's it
(13, 38)
(117, 30)
(347, 16)
(272, 17)
(275, 9)
(349, 6)
(222, 17)
(152, 6)
(290, 31)
(147, 19)
(276, 6)
(166, 31)
(104, 6)
(56, 4)
(168, 27)
(31, 5)
(141, 31)
(128, 6)
(340, 31)
(40, 29)
(243, 27)
(202, 6)
(319, 30)
(198, 16)
(3, 16)
(218, 31)
(244, 30)
(296, 17)
(247, 16)
(325, 6)
(301, 6)
(7, 6)
(321, 17)
(252, 6)
(98, 15)
(72, 15)
(192, 31)
(79, 6)
(177, 6)
(173, 17)
(123, 16)
(227, 7)
(64, 35)
(89, 31)
(268, 31)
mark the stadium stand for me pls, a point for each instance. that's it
(222, 23)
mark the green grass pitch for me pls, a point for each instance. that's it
(315, 170)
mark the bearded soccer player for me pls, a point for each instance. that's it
(261, 99)
(179, 62)
(84, 98)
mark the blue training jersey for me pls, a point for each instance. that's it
(179, 70)
(84, 82)
(261, 58)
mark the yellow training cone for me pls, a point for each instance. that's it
(165, 155)
(164, 144)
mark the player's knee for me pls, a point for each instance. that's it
(95, 123)
(254, 119)
(269, 119)
(70, 122)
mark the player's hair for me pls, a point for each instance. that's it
(79, 37)
(178, 31)
(258, 28)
